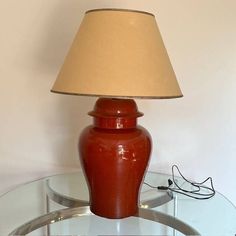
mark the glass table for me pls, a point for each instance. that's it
(58, 205)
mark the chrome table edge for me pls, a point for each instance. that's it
(83, 211)
(73, 202)
(62, 199)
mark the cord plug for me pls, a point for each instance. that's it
(162, 188)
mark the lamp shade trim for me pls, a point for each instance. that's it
(115, 96)
(120, 9)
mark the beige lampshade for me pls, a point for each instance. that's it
(118, 53)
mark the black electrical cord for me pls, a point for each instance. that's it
(197, 193)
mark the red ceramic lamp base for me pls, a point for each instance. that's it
(114, 154)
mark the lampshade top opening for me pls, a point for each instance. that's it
(121, 10)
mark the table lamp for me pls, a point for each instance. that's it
(116, 55)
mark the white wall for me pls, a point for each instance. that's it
(39, 130)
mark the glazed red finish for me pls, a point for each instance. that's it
(114, 153)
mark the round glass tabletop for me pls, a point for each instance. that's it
(42, 206)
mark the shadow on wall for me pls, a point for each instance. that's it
(71, 117)
(68, 114)
(61, 25)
